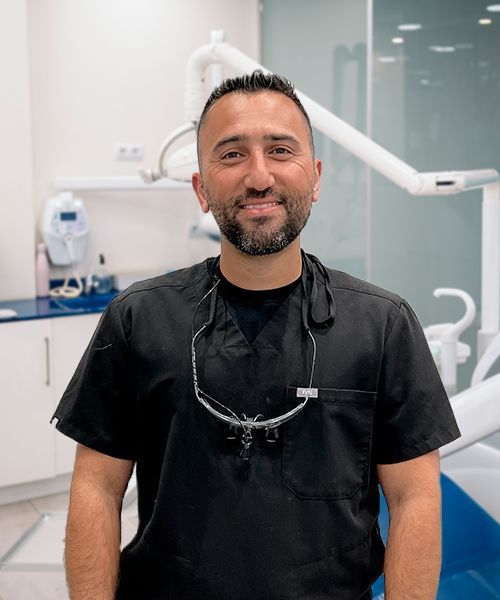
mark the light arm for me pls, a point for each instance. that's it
(361, 146)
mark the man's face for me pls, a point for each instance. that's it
(258, 174)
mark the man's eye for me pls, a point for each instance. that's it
(281, 150)
(232, 154)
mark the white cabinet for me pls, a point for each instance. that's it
(37, 360)
(71, 336)
(26, 440)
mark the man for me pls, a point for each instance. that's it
(262, 396)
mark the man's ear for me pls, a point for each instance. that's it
(317, 176)
(199, 190)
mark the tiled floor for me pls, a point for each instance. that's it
(15, 520)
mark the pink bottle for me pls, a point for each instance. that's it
(42, 272)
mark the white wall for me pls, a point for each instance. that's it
(16, 200)
(107, 71)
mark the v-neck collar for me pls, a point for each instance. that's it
(263, 338)
(317, 307)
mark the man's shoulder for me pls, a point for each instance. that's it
(343, 282)
(167, 282)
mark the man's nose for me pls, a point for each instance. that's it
(258, 176)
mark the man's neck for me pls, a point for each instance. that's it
(261, 272)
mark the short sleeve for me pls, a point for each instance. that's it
(98, 408)
(413, 413)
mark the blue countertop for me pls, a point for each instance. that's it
(48, 308)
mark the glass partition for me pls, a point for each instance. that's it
(432, 97)
(436, 104)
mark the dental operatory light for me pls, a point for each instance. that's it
(485, 21)
(493, 8)
(409, 27)
(181, 164)
(398, 40)
(149, 175)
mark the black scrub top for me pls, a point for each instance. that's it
(298, 520)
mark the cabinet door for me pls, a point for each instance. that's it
(71, 337)
(26, 437)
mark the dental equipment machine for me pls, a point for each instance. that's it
(65, 230)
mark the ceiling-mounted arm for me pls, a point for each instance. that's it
(377, 157)
(339, 131)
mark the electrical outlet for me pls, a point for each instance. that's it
(129, 151)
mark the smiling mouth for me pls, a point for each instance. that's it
(260, 205)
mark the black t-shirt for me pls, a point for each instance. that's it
(252, 309)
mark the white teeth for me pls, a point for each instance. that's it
(255, 206)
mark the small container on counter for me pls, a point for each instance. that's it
(42, 272)
(102, 281)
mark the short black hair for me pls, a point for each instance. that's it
(254, 83)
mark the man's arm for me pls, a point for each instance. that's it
(413, 555)
(93, 530)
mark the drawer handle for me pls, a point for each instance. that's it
(47, 361)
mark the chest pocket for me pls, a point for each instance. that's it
(326, 447)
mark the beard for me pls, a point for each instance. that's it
(263, 235)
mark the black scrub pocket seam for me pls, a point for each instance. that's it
(327, 446)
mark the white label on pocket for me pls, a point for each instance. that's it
(307, 392)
